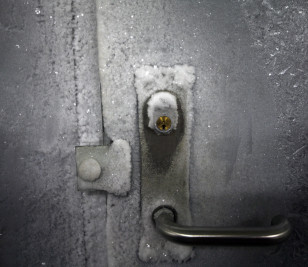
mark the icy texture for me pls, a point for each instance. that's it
(48, 82)
(120, 167)
(57, 58)
(115, 162)
(154, 248)
(178, 79)
(89, 117)
(237, 170)
(162, 104)
(279, 30)
(150, 79)
(151, 82)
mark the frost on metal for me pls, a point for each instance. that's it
(115, 167)
(150, 79)
(166, 89)
(162, 103)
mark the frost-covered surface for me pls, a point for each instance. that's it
(153, 248)
(279, 30)
(238, 171)
(48, 222)
(159, 89)
(115, 163)
(48, 74)
(150, 79)
(89, 121)
(162, 104)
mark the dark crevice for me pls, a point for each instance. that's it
(73, 34)
(106, 139)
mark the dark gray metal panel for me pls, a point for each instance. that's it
(41, 219)
(48, 53)
(41, 211)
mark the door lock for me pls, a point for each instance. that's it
(163, 124)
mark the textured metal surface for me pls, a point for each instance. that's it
(48, 53)
(164, 176)
(114, 167)
(49, 57)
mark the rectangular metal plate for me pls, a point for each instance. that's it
(164, 160)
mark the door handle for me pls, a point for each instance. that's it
(165, 222)
(165, 110)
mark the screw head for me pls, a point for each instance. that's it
(163, 124)
(89, 170)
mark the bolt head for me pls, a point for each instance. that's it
(89, 170)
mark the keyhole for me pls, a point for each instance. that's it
(163, 123)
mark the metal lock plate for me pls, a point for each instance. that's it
(165, 152)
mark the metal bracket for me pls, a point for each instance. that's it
(105, 168)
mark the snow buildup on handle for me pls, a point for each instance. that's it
(162, 104)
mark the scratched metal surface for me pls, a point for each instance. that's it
(50, 102)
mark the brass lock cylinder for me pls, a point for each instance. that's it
(162, 112)
(163, 124)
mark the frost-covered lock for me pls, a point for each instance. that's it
(162, 112)
(105, 168)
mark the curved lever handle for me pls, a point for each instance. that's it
(165, 221)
